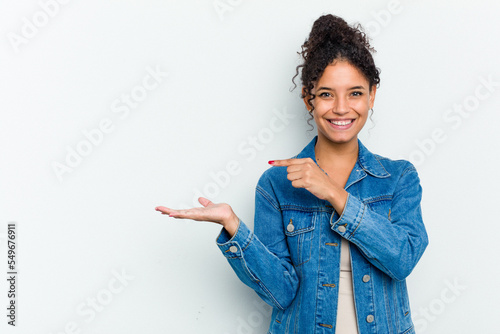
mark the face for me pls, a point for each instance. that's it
(343, 99)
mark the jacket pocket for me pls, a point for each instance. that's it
(299, 227)
(404, 314)
(380, 204)
(403, 298)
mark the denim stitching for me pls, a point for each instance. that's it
(359, 223)
(275, 302)
(387, 307)
(373, 297)
(388, 174)
(395, 303)
(408, 330)
(341, 218)
(377, 199)
(292, 207)
(409, 169)
(248, 243)
(267, 197)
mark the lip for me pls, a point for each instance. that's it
(342, 127)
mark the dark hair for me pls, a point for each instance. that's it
(331, 39)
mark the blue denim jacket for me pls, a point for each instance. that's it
(292, 259)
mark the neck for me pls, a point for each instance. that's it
(336, 155)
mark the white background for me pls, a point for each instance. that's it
(229, 64)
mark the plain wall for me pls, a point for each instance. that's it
(111, 108)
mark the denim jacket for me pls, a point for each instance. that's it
(292, 259)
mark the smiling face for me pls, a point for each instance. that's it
(343, 99)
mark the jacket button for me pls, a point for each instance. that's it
(290, 228)
(370, 318)
(342, 229)
(233, 249)
(366, 278)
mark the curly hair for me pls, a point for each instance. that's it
(330, 39)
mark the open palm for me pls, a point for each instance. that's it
(220, 213)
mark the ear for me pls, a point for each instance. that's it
(306, 99)
(372, 95)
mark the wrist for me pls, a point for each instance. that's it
(332, 195)
(231, 224)
(338, 200)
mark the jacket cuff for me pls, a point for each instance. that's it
(234, 247)
(350, 219)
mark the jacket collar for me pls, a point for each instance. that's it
(367, 161)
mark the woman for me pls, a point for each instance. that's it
(337, 228)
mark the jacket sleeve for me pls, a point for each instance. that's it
(263, 263)
(393, 245)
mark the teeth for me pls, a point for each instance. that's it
(341, 122)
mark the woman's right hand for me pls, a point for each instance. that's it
(220, 213)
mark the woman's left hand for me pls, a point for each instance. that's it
(305, 173)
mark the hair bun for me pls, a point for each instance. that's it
(331, 29)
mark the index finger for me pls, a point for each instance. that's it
(164, 210)
(182, 213)
(287, 162)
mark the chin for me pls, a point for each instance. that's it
(340, 139)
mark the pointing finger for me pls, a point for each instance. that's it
(285, 162)
(289, 162)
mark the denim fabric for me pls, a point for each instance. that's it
(292, 259)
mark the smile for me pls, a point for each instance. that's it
(346, 122)
(341, 124)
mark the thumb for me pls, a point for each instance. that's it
(203, 201)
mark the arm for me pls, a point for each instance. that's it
(393, 245)
(263, 263)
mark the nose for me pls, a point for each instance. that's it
(341, 106)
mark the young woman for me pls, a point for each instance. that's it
(337, 228)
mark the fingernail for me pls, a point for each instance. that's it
(271, 162)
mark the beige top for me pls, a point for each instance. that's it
(346, 312)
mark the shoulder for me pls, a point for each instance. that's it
(398, 168)
(395, 166)
(381, 166)
(271, 177)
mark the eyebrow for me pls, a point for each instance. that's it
(352, 88)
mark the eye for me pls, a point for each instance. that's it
(357, 93)
(325, 94)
